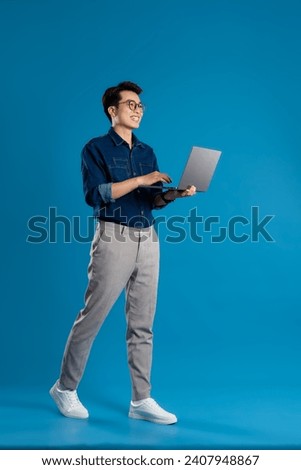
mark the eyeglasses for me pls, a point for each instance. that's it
(133, 105)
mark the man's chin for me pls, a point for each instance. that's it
(134, 125)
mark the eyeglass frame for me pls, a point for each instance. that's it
(140, 105)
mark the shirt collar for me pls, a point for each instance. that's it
(119, 140)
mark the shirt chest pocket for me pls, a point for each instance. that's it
(119, 169)
(145, 168)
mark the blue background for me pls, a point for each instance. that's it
(223, 74)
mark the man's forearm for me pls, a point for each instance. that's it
(124, 187)
(161, 200)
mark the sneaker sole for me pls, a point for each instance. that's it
(152, 420)
(64, 413)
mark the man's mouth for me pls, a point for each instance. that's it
(135, 118)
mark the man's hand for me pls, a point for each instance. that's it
(173, 194)
(124, 187)
(152, 178)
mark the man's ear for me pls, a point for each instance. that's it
(112, 111)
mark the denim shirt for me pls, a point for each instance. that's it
(109, 159)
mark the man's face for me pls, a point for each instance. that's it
(125, 113)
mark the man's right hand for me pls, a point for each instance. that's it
(152, 178)
(124, 187)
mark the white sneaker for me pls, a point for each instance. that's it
(149, 410)
(68, 403)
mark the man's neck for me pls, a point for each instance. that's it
(125, 134)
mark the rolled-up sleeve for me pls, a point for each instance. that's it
(105, 191)
(96, 185)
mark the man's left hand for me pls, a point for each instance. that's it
(173, 194)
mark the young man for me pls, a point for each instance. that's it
(118, 170)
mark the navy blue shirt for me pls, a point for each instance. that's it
(109, 159)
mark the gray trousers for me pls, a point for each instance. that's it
(121, 258)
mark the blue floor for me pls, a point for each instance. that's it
(209, 418)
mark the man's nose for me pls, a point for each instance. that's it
(138, 110)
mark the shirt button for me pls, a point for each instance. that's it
(134, 173)
(142, 212)
(138, 191)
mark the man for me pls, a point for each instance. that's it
(118, 171)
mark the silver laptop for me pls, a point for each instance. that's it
(198, 171)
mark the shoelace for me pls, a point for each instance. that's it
(72, 398)
(153, 404)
